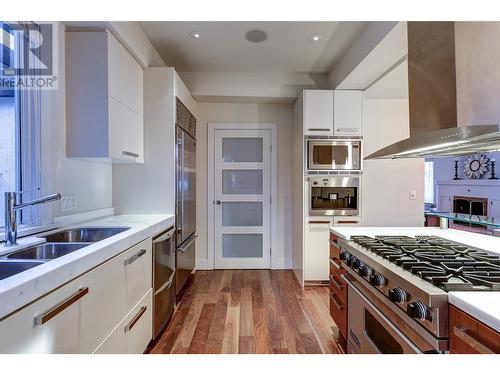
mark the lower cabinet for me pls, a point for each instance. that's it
(78, 316)
(338, 289)
(316, 250)
(470, 336)
(133, 334)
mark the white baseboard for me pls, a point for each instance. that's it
(277, 264)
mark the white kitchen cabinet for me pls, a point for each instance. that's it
(133, 334)
(445, 203)
(317, 250)
(104, 99)
(78, 316)
(348, 112)
(318, 112)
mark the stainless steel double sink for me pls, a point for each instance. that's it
(57, 245)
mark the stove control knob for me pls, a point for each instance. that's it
(417, 310)
(343, 255)
(364, 271)
(397, 295)
(356, 263)
(377, 279)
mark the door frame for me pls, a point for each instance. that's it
(212, 127)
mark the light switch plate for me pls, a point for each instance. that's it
(413, 194)
(68, 203)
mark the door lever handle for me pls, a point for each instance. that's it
(218, 202)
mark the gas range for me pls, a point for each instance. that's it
(413, 275)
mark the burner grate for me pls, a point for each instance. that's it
(449, 265)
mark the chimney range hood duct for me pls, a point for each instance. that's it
(433, 100)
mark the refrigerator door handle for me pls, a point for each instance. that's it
(189, 241)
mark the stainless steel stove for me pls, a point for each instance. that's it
(412, 277)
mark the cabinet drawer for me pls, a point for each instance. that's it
(72, 319)
(133, 334)
(138, 265)
(469, 336)
(335, 252)
(338, 312)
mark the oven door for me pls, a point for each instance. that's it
(334, 155)
(370, 332)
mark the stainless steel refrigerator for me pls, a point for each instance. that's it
(185, 209)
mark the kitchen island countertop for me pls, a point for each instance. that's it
(484, 306)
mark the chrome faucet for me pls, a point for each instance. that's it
(11, 209)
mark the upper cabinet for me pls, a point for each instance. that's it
(104, 99)
(347, 112)
(318, 112)
(333, 112)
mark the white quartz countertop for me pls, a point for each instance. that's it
(484, 306)
(18, 290)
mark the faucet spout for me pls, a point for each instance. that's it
(11, 209)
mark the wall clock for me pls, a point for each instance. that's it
(476, 166)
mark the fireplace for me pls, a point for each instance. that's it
(470, 205)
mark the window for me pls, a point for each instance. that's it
(19, 128)
(429, 182)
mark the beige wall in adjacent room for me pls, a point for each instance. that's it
(281, 114)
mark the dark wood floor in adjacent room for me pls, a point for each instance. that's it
(250, 311)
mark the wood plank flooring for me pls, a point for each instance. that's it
(250, 311)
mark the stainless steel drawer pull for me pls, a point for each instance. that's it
(332, 262)
(128, 153)
(337, 305)
(471, 341)
(46, 316)
(318, 130)
(136, 318)
(134, 257)
(336, 284)
(182, 249)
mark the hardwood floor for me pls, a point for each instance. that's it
(250, 311)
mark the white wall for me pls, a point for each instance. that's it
(386, 184)
(249, 113)
(90, 182)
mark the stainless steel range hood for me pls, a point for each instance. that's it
(432, 89)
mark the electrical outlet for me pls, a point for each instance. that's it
(68, 203)
(413, 194)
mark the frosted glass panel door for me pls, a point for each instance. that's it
(242, 198)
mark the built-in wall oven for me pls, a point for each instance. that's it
(334, 195)
(333, 154)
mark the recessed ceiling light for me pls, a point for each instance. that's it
(316, 37)
(195, 34)
(256, 36)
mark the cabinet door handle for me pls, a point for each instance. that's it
(318, 222)
(318, 130)
(347, 222)
(462, 334)
(336, 284)
(332, 262)
(134, 257)
(128, 153)
(51, 313)
(136, 318)
(337, 305)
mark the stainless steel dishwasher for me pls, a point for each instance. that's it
(163, 279)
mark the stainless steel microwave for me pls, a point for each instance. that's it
(327, 154)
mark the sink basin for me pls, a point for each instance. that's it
(10, 268)
(47, 251)
(84, 234)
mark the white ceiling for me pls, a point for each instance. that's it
(223, 47)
